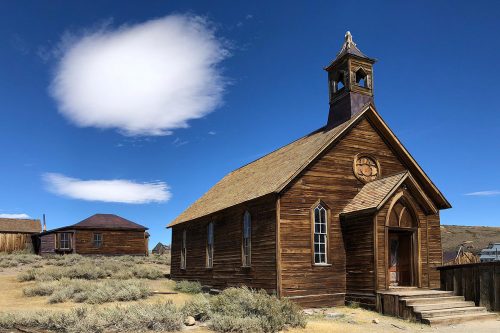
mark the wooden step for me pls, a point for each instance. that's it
(450, 312)
(425, 294)
(442, 305)
(432, 300)
(457, 319)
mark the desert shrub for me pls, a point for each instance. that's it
(353, 305)
(163, 259)
(133, 318)
(90, 269)
(190, 287)
(245, 310)
(198, 307)
(27, 275)
(92, 292)
(145, 272)
(65, 260)
(17, 258)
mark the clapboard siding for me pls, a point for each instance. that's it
(330, 179)
(47, 244)
(114, 242)
(360, 265)
(227, 264)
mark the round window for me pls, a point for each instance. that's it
(366, 168)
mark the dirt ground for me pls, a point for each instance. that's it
(355, 320)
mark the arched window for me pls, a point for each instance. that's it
(320, 234)
(361, 78)
(210, 245)
(338, 82)
(183, 250)
(401, 215)
(246, 247)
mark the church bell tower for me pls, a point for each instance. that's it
(350, 82)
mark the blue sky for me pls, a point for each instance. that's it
(255, 69)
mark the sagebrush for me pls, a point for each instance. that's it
(190, 287)
(141, 317)
(92, 292)
(244, 310)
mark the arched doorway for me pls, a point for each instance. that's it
(402, 259)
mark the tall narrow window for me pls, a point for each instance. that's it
(210, 245)
(64, 241)
(320, 235)
(247, 240)
(183, 250)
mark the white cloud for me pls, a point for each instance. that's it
(118, 190)
(144, 79)
(212, 132)
(15, 216)
(484, 193)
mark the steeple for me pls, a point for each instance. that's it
(350, 82)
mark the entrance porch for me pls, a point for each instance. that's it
(429, 306)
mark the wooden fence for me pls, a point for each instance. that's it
(10, 242)
(478, 282)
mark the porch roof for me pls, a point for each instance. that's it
(374, 194)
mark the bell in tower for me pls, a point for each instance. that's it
(350, 81)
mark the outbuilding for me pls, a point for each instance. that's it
(99, 234)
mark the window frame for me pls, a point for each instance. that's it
(99, 242)
(183, 250)
(326, 234)
(246, 242)
(209, 263)
(61, 240)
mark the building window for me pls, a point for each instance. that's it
(210, 245)
(183, 250)
(97, 240)
(320, 234)
(247, 240)
(64, 241)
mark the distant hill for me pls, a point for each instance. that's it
(454, 235)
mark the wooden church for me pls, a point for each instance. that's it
(337, 215)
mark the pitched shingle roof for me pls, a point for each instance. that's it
(271, 173)
(20, 225)
(375, 193)
(263, 176)
(107, 221)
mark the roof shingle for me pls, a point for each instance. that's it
(375, 193)
(263, 176)
(20, 225)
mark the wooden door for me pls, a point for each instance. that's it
(400, 259)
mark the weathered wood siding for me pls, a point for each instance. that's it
(47, 244)
(360, 260)
(227, 264)
(435, 249)
(10, 242)
(114, 242)
(331, 179)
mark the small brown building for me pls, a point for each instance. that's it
(100, 234)
(334, 216)
(17, 234)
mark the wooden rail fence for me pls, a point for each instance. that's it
(478, 282)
